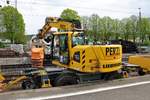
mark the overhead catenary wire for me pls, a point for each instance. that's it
(44, 4)
(30, 8)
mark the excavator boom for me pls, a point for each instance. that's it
(57, 23)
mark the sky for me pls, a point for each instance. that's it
(35, 11)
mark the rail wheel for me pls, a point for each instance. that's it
(28, 84)
(141, 72)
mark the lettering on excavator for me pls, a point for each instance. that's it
(112, 51)
(62, 26)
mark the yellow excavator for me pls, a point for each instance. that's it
(74, 60)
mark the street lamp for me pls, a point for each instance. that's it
(8, 2)
(140, 28)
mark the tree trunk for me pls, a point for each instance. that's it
(134, 38)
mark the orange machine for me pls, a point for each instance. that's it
(37, 56)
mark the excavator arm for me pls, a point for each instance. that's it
(49, 23)
(57, 23)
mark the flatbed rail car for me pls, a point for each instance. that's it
(143, 61)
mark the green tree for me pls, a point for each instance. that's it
(14, 25)
(70, 14)
(94, 19)
(106, 28)
(134, 26)
(148, 32)
(145, 29)
(116, 29)
(127, 28)
(85, 24)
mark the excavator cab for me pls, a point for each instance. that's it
(63, 42)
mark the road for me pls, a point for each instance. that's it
(135, 88)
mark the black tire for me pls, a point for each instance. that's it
(141, 72)
(28, 85)
(65, 80)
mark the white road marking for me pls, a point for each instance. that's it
(86, 91)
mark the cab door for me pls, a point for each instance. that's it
(64, 54)
(60, 50)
